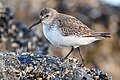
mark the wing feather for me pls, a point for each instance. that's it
(69, 25)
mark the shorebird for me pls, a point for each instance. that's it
(67, 31)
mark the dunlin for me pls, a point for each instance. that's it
(67, 31)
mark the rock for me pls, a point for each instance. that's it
(29, 66)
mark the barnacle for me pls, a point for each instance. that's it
(35, 66)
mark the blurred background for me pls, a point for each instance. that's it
(100, 15)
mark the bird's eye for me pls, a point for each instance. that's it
(47, 16)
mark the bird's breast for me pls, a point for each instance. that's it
(52, 34)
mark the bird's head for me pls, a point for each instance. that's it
(46, 16)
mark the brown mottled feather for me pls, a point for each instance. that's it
(71, 26)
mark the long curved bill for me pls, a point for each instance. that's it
(39, 21)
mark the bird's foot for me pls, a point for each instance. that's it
(82, 64)
(65, 58)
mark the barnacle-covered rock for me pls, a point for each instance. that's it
(29, 66)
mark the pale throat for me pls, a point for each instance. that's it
(47, 21)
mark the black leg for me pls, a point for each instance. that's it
(72, 48)
(83, 61)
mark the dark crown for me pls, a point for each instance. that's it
(44, 11)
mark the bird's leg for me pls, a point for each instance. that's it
(72, 48)
(83, 61)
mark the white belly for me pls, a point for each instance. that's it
(57, 39)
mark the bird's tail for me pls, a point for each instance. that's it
(99, 34)
(105, 34)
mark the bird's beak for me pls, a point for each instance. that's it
(39, 21)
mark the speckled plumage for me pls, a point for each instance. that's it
(69, 25)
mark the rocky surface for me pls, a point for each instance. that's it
(29, 66)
